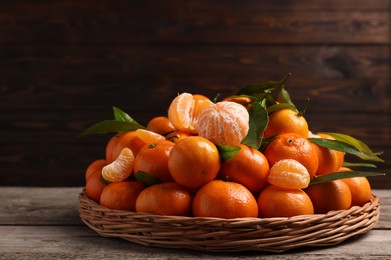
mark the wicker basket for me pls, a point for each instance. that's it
(228, 235)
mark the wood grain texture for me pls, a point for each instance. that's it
(43, 223)
(64, 64)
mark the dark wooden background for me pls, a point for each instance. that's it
(64, 64)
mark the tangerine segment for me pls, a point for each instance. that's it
(292, 146)
(289, 173)
(225, 123)
(121, 168)
(184, 110)
(149, 137)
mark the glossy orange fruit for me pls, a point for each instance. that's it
(194, 161)
(160, 125)
(289, 173)
(96, 165)
(94, 186)
(177, 136)
(184, 110)
(224, 200)
(248, 167)
(165, 199)
(359, 187)
(153, 159)
(120, 141)
(275, 201)
(286, 121)
(333, 195)
(121, 195)
(329, 160)
(225, 123)
(293, 146)
(121, 168)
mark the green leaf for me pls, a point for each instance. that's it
(341, 175)
(267, 141)
(284, 97)
(277, 107)
(353, 141)
(369, 165)
(262, 90)
(103, 180)
(108, 126)
(120, 115)
(146, 179)
(345, 147)
(227, 152)
(258, 122)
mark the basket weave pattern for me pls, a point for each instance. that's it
(229, 235)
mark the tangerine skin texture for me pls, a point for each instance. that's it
(194, 161)
(293, 146)
(248, 167)
(333, 195)
(224, 200)
(121, 195)
(286, 121)
(274, 201)
(168, 198)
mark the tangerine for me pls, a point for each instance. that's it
(289, 173)
(333, 195)
(248, 167)
(168, 198)
(160, 125)
(184, 110)
(121, 195)
(96, 165)
(176, 136)
(194, 161)
(153, 159)
(329, 160)
(119, 141)
(121, 168)
(286, 121)
(94, 186)
(224, 123)
(224, 200)
(359, 187)
(292, 146)
(275, 201)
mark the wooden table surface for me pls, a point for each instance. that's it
(43, 223)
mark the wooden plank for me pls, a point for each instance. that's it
(39, 206)
(72, 61)
(206, 24)
(37, 242)
(97, 94)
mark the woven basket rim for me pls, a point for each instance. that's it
(226, 235)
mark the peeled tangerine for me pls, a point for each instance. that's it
(289, 173)
(224, 123)
(121, 168)
(185, 109)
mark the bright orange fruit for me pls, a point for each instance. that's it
(286, 121)
(224, 200)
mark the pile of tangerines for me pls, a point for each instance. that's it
(244, 156)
